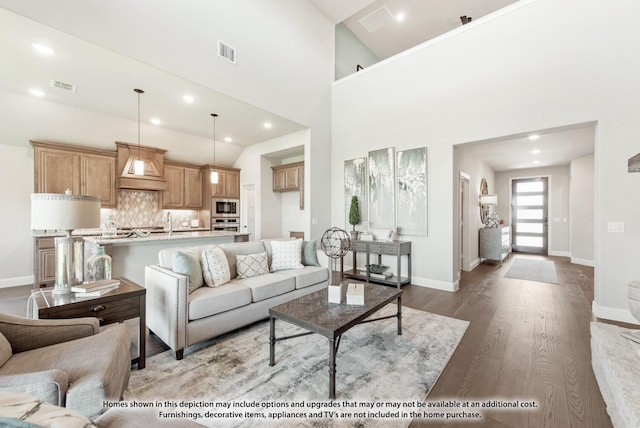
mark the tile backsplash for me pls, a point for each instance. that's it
(138, 208)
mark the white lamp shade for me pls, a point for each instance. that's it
(53, 211)
(138, 167)
(489, 200)
(214, 177)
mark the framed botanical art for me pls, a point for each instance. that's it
(412, 192)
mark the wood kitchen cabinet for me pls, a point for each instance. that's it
(289, 178)
(85, 171)
(228, 182)
(44, 262)
(184, 186)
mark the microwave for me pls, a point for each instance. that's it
(225, 207)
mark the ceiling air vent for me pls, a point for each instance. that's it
(62, 85)
(227, 52)
(377, 19)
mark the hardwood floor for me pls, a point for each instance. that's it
(526, 341)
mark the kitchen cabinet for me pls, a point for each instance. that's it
(495, 243)
(228, 185)
(85, 171)
(184, 186)
(289, 178)
(44, 262)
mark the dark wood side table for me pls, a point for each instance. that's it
(126, 302)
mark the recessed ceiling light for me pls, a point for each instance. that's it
(400, 17)
(535, 151)
(155, 121)
(228, 139)
(188, 99)
(43, 49)
(267, 125)
(533, 137)
(36, 92)
(536, 162)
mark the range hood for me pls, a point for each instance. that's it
(153, 178)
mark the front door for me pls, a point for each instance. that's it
(529, 209)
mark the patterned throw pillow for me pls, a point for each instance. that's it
(215, 267)
(252, 265)
(286, 255)
(187, 263)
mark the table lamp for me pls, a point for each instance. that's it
(66, 212)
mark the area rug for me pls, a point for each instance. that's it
(533, 270)
(378, 373)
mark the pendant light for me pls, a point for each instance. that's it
(138, 164)
(214, 173)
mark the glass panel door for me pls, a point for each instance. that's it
(529, 215)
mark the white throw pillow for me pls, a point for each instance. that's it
(286, 255)
(215, 267)
(252, 265)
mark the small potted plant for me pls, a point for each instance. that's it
(354, 216)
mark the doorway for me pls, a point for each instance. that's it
(248, 210)
(529, 215)
(464, 258)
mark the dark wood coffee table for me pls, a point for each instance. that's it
(314, 313)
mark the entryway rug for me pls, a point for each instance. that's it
(533, 270)
(374, 365)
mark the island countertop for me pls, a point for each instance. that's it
(165, 236)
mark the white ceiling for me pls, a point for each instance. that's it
(105, 79)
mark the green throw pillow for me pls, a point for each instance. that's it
(309, 253)
(188, 264)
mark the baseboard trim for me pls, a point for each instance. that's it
(14, 282)
(583, 262)
(560, 253)
(613, 314)
(434, 283)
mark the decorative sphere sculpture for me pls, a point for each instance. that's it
(335, 243)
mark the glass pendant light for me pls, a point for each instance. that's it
(214, 173)
(138, 164)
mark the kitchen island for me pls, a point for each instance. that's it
(129, 255)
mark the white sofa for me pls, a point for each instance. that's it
(181, 318)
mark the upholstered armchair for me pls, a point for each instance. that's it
(67, 362)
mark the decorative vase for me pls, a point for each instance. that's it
(354, 235)
(99, 265)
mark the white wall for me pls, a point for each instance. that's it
(558, 203)
(501, 75)
(581, 210)
(350, 52)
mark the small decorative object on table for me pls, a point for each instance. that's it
(99, 265)
(355, 294)
(377, 268)
(354, 216)
(335, 243)
(335, 293)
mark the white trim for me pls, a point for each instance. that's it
(16, 281)
(614, 314)
(475, 263)
(434, 283)
(560, 253)
(583, 262)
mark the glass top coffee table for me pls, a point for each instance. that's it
(314, 313)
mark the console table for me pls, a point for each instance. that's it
(379, 248)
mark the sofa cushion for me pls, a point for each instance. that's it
(208, 301)
(188, 263)
(5, 349)
(286, 255)
(165, 256)
(251, 265)
(215, 267)
(267, 285)
(308, 276)
(240, 248)
(310, 253)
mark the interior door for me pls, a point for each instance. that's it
(529, 208)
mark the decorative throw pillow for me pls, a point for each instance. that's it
(309, 253)
(215, 267)
(286, 255)
(5, 349)
(187, 263)
(252, 265)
